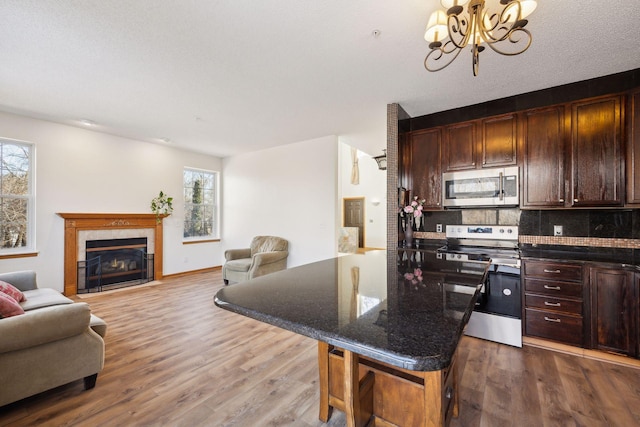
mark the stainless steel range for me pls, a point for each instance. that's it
(497, 316)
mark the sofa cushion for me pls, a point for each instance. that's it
(9, 307)
(49, 324)
(12, 291)
(98, 325)
(24, 280)
(43, 297)
(241, 265)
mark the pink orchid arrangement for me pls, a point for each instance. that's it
(415, 277)
(415, 207)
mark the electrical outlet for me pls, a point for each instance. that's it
(438, 228)
(557, 230)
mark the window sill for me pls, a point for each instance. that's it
(18, 255)
(191, 242)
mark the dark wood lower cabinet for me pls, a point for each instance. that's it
(554, 301)
(614, 310)
(589, 305)
(561, 327)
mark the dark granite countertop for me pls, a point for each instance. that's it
(410, 315)
(619, 257)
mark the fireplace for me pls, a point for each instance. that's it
(114, 263)
(82, 227)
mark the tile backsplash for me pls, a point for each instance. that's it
(604, 223)
(470, 216)
(579, 223)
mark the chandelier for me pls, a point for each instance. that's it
(451, 31)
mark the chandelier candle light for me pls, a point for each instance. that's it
(451, 31)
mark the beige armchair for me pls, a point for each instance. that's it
(265, 255)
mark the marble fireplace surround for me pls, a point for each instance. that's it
(80, 227)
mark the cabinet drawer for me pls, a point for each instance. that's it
(553, 288)
(554, 304)
(556, 271)
(554, 326)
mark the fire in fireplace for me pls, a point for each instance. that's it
(114, 263)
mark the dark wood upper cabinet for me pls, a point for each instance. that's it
(492, 140)
(577, 154)
(613, 310)
(460, 147)
(544, 145)
(499, 141)
(633, 148)
(596, 171)
(424, 169)
(404, 161)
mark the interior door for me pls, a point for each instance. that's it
(353, 216)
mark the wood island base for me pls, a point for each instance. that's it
(372, 393)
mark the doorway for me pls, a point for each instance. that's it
(353, 216)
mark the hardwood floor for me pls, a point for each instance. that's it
(175, 359)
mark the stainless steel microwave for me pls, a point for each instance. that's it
(483, 187)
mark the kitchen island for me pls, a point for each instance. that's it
(387, 335)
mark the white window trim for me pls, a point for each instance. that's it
(31, 202)
(216, 235)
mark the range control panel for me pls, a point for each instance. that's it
(495, 232)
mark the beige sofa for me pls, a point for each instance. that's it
(56, 341)
(265, 255)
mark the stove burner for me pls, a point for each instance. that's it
(499, 244)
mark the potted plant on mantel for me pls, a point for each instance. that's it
(161, 205)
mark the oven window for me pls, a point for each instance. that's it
(502, 295)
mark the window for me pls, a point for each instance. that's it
(16, 196)
(200, 204)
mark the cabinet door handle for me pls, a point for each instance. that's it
(548, 319)
(552, 304)
(575, 200)
(552, 288)
(552, 271)
(561, 200)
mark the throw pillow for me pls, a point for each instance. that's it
(9, 307)
(12, 291)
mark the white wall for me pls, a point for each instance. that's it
(370, 136)
(372, 186)
(288, 191)
(78, 170)
(370, 140)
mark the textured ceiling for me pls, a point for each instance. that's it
(230, 76)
